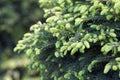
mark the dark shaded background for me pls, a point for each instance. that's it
(16, 16)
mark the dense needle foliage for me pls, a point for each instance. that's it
(78, 41)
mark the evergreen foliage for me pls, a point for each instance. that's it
(78, 41)
(15, 18)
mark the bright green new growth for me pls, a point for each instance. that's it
(78, 39)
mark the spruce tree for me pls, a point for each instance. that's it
(78, 41)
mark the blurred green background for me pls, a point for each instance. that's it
(16, 16)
